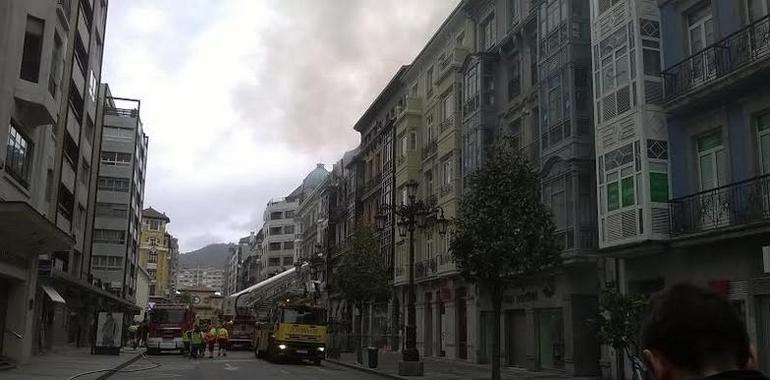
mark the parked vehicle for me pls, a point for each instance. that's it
(165, 324)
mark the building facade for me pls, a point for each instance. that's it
(154, 253)
(120, 194)
(50, 78)
(251, 265)
(280, 227)
(201, 278)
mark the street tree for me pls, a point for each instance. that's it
(618, 324)
(503, 234)
(362, 275)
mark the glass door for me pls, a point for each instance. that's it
(712, 173)
(701, 35)
(551, 338)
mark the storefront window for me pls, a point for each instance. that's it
(551, 338)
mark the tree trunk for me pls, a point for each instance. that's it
(620, 363)
(360, 340)
(497, 301)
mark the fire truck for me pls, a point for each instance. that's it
(289, 321)
(165, 324)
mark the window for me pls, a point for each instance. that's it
(412, 140)
(448, 172)
(618, 167)
(275, 230)
(429, 82)
(513, 11)
(447, 107)
(56, 60)
(109, 236)
(111, 209)
(18, 158)
(514, 77)
(101, 262)
(33, 49)
(700, 27)
(288, 245)
(605, 5)
(66, 202)
(471, 90)
(288, 260)
(289, 214)
(92, 86)
(154, 225)
(71, 149)
(488, 32)
(756, 9)
(712, 160)
(152, 258)
(274, 261)
(288, 230)
(116, 158)
(275, 215)
(275, 246)
(117, 133)
(762, 123)
(85, 171)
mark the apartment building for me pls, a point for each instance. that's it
(173, 264)
(50, 76)
(119, 194)
(251, 262)
(686, 160)
(154, 252)
(280, 227)
(201, 278)
(234, 263)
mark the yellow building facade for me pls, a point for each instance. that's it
(154, 251)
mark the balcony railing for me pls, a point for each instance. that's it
(446, 124)
(736, 204)
(425, 268)
(747, 45)
(123, 112)
(429, 150)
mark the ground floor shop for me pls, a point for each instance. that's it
(733, 268)
(542, 325)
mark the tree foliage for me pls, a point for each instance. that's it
(361, 274)
(503, 234)
(620, 319)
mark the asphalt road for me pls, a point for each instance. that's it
(236, 366)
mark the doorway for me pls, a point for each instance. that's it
(763, 332)
(516, 335)
(462, 324)
(551, 338)
(487, 336)
(428, 328)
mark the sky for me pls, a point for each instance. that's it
(241, 98)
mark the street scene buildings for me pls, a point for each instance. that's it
(647, 122)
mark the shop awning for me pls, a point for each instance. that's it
(53, 294)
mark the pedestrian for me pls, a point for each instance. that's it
(196, 342)
(694, 333)
(222, 340)
(211, 339)
(186, 343)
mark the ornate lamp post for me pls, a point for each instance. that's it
(411, 215)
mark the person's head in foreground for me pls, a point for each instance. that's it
(692, 333)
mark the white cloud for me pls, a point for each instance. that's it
(241, 98)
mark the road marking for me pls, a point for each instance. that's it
(228, 367)
(285, 372)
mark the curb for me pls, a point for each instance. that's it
(364, 369)
(125, 364)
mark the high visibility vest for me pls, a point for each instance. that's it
(186, 336)
(222, 333)
(212, 333)
(196, 337)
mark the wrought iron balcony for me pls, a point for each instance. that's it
(425, 268)
(734, 205)
(738, 50)
(429, 150)
(446, 124)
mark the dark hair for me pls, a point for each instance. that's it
(695, 328)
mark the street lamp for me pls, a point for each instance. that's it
(412, 213)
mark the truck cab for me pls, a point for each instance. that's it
(165, 325)
(292, 330)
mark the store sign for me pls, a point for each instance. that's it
(530, 296)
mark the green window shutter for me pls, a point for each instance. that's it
(659, 187)
(613, 196)
(627, 191)
(710, 140)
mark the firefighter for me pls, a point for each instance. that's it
(186, 343)
(211, 338)
(196, 342)
(222, 339)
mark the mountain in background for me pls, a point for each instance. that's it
(212, 255)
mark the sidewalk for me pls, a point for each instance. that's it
(65, 362)
(442, 368)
